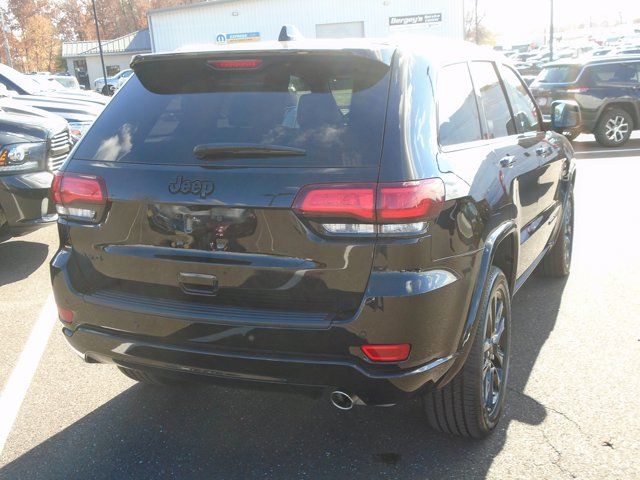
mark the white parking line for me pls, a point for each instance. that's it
(18, 383)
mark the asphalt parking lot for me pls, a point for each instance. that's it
(572, 410)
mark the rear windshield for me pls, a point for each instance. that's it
(331, 107)
(559, 74)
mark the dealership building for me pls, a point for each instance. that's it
(234, 21)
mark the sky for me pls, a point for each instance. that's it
(512, 17)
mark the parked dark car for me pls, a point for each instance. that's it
(347, 217)
(33, 145)
(607, 89)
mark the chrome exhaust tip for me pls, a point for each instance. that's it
(341, 400)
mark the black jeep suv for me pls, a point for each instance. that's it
(351, 217)
(33, 145)
(606, 89)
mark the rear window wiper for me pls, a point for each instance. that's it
(221, 151)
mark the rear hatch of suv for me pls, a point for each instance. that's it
(555, 82)
(196, 163)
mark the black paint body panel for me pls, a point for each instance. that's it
(292, 305)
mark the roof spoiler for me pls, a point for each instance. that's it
(289, 33)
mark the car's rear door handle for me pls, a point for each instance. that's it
(508, 161)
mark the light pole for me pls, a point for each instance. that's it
(551, 35)
(104, 70)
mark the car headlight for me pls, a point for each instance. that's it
(19, 157)
(78, 129)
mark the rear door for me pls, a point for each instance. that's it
(202, 158)
(545, 148)
(514, 148)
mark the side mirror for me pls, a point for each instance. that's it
(565, 115)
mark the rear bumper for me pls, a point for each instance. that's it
(306, 355)
(24, 198)
(373, 387)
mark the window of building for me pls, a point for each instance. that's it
(112, 70)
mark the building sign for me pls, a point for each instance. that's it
(427, 20)
(225, 38)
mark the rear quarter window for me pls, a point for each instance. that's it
(614, 73)
(458, 117)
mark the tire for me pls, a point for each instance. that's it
(108, 90)
(463, 406)
(148, 377)
(614, 128)
(557, 262)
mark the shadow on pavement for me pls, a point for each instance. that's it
(213, 432)
(19, 259)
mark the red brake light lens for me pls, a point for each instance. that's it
(397, 202)
(65, 315)
(68, 188)
(235, 64)
(409, 201)
(354, 200)
(387, 353)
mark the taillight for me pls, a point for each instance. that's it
(409, 201)
(396, 208)
(355, 201)
(78, 196)
(387, 353)
(239, 64)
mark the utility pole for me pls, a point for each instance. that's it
(476, 22)
(551, 35)
(6, 41)
(95, 19)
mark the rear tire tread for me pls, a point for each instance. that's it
(553, 265)
(454, 408)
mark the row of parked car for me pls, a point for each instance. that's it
(39, 124)
(530, 63)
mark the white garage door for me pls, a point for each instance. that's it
(340, 30)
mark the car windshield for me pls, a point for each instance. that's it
(559, 74)
(23, 81)
(330, 107)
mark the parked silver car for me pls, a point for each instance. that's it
(98, 83)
